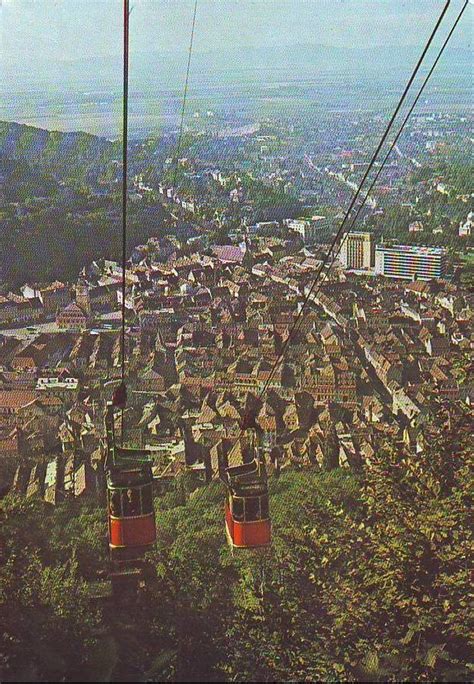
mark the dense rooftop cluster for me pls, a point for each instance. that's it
(375, 359)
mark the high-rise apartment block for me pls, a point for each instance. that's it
(410, 262)
(357, 251)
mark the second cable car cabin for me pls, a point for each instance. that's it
(247, 515)
(131, 515)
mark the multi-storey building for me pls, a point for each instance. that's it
(410, 262)
(310, 229)
(357, 251)
(54, 297)
(465, 227)
(72, 318)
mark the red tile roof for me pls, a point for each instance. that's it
(229, 253)
(15, 399)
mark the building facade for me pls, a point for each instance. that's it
(410, 262)
(358, 251)
(310, 229)
(72, 318)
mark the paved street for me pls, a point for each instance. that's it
(23, 333)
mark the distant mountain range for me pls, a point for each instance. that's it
(259, 65)
(243, 83)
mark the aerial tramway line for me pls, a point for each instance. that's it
(130, 496)
(129, 476)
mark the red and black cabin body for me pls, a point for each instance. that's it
(131, 515)
(247, 515)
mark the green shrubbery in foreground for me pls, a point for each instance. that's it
(367, 580)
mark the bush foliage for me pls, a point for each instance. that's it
(367, 579)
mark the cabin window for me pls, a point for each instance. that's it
(131, 502)
(238, 509)
(126, 503)
(115, 503)
(252, 509)
(147, 500)
(264, 511)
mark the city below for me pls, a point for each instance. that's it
(236, 341)
(386, 339)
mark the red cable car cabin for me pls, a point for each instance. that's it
(131, 515)
(247, 515)
(132, 529)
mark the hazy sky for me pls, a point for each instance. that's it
(52, 30)
(53, 50)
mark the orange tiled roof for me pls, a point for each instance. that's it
(15, 399)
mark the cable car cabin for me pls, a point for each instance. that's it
(131, 515)
(247, 515)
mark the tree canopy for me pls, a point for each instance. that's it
(367, 579)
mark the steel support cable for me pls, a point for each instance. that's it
(355, 197)
(349, 210)
(126, 41)
(185, 95)
(120, 395)
(395, 140)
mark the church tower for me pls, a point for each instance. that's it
(82, 296)
(248, 260)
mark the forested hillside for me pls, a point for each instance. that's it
(60, 204)
(56, 243)
(21, 181)
(367, 580)
(78, 157)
